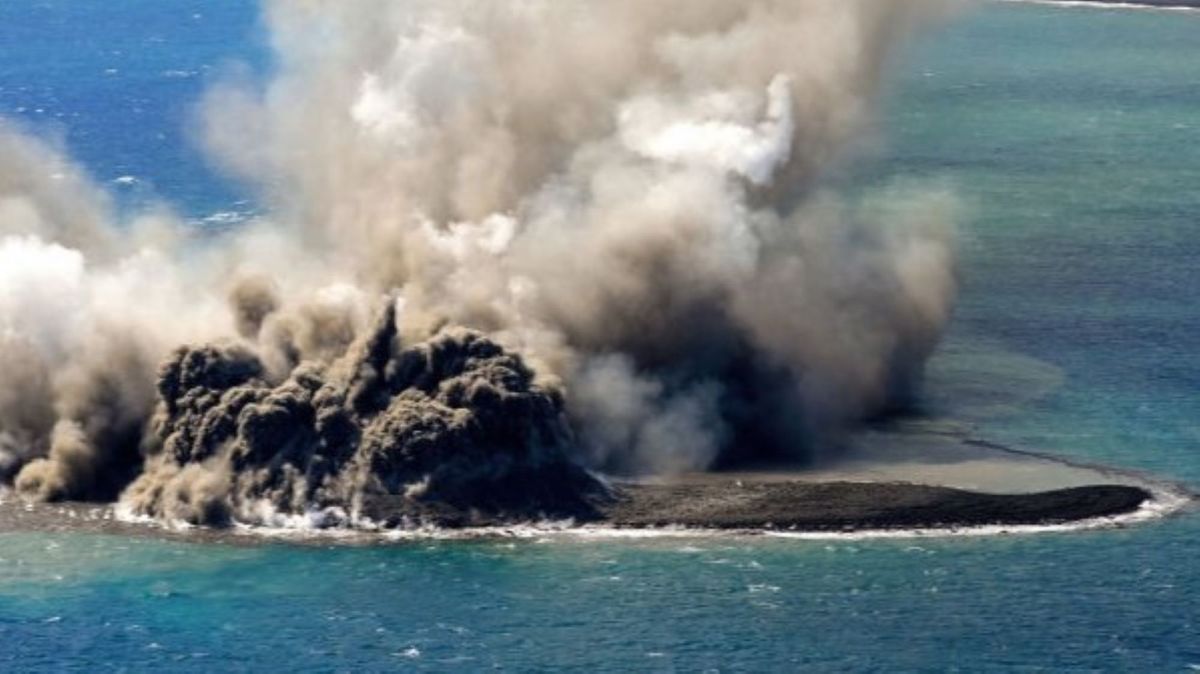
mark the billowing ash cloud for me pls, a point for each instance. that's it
(616, 216)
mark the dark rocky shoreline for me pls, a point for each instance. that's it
(743, 504)
(1192, 4)
(731, 505)
(1162, 4)
(839, 506)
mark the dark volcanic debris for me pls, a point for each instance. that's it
(455, 425)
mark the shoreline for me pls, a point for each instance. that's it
(783, 509)
(914, 479)
(849, 506)
(1160, 5)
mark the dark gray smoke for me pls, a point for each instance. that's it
(609, 229)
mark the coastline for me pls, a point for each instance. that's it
(1161, 5)
(777, 508)
(849, 506)
(919, 478)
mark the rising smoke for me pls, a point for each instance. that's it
(502, 235)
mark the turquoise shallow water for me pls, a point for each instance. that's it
(1071, 134)
(1091, 601)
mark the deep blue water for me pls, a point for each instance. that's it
(119, 85)
(1073, 135)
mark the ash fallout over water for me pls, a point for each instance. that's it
(508, 245)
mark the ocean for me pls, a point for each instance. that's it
(1072, 136)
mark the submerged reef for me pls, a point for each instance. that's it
(451, 428)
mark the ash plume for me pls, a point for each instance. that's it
(602, 234)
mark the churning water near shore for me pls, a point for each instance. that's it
(1073, 137)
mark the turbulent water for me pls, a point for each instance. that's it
(1070, 134)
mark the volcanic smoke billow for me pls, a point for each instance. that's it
(510, 245)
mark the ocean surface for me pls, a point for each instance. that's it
(1072, 134)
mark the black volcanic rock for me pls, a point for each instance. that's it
(838, 506)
